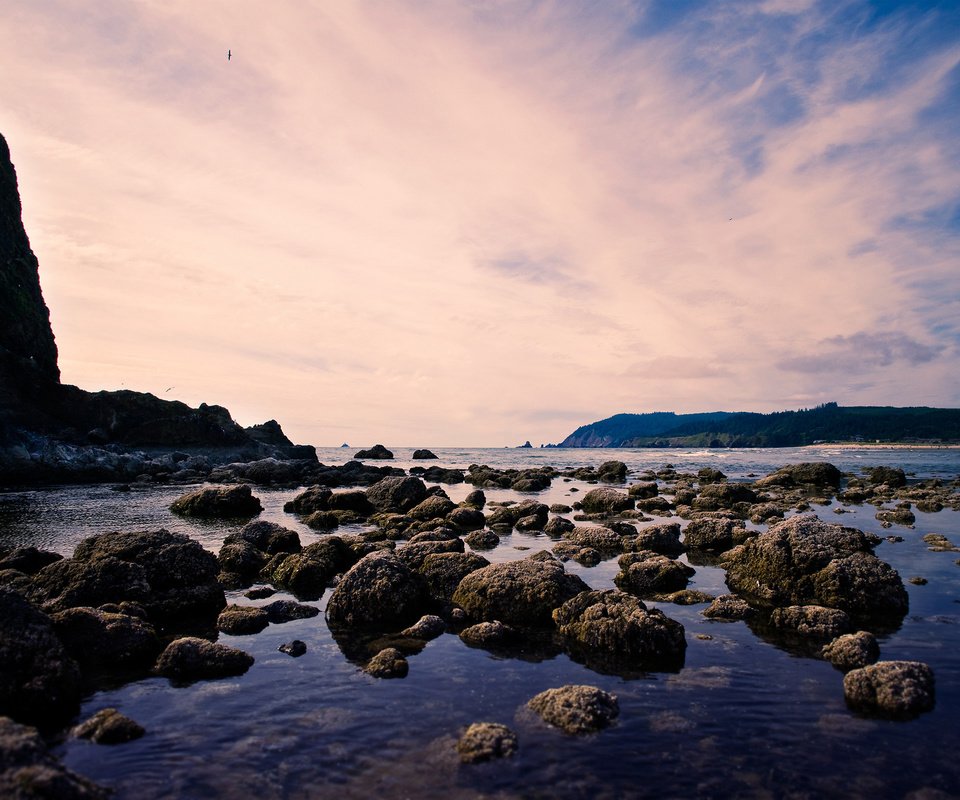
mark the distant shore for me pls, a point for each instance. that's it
(883, 445)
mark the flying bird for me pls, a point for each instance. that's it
(228, 55)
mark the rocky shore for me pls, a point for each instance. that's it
(128, 605)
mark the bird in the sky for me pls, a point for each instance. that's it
(228, 55)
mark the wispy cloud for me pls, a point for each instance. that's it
(429, 221)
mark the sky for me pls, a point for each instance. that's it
(475, 223)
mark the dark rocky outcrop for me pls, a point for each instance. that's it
(169, 574)
(518, 592)
(890, 688)
(424, 454)
(242, 620)
(221, 502)
(485, 741)
(716, 534)
(106, 641)
(612, 631)
(816, 474)
(815, 622)
(576, 709)
(606, 501)
(443, 572)
(39, 681)
(396, 494)
(388, 663)
(108, 726)
(378, 591)
(803, 560)
(378, 451)
(192, 659)
(647, 574)
(52, 432)
(28, 771)
(852, 650)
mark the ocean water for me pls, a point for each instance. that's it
(745, 717)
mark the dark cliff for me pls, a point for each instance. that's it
(38, 414)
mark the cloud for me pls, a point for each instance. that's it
(863, 352)
(430, 221)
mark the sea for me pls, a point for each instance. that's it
(746, 716)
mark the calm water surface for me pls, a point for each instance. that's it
(743, 718)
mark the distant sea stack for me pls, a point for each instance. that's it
(50, 431)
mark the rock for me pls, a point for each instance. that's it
(614, 631)
(223, 502)
(487, 634)
(267, 537)
(890, 688)
(414, 554)
(803, 560)
(242, 620)
(423, 454)
(728, 608)
(39, 681)
(717, 496)
(484, 741)
(28, 771)
(852, 650)
(106, 641)
(643, 490)
(891, 476)
(294, 649)
(482, 540)
(606, 501)
(432, 507)
(663, 538)
(351, 500)
(191, 659)
(443, 572)
(396, 494)
(427, 627)
(707, 475)
(518, 592)
(108, 726)
(558, 526)
(576, 709)
(388, 663)
(714, 534)
(813, 621)
(379, 590)
(901, 515)
(28, 560)
(308, 572)
(603, 540)
(240, 563)
(466, 519)
(378, 451)
(281, 611)
(817, 474)
(476, 499)
(612, 471)
(260, 593)
(646, 573)
(309, 501)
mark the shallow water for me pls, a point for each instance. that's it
(743, 718)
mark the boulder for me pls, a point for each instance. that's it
(221, 502)
(269, 537)
(891, 476)
(466, 519)
(613, 631)
(716, 534)
(645, 574)
(517, 592)
(717, 496)
(852, 650)
(396, 494)
(603, 540)
(28, 771)
(487, 634)
(39, 681)
(423, 454)
(427, 627)
(294, 649)
(803, 560)
(816, 622)
(388, 663)
(308, 573)
(242, 620)
(379, 590)
(663, 538)
(816, 474)
(28, 560)
(378, 451)
(558, 526)
(309, 501)
(106, 641)
(281, 611)
(890, 688)
(482, 540)
(485, 741)
(414, 553)
(729, 608)
(443, 572)
(605, 500)
(432, 507)
(108, 726)
(576, 709)
(612, 471)
(643, 490)
(191, 659)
